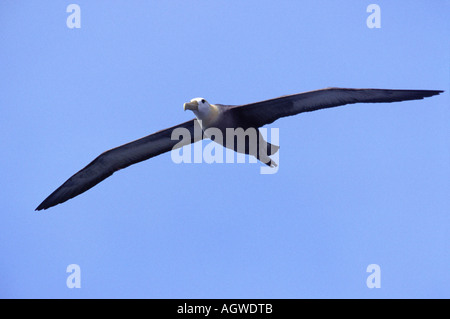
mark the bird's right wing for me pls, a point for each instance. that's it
(265, 112)
(120, 157)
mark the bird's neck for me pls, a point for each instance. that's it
(209, 117)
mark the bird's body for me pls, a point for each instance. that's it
(221, 118)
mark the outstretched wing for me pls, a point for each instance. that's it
(120, 157)
(265, 112)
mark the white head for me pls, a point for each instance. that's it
(201, 108)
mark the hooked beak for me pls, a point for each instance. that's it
(193, 106)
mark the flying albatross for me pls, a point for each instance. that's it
(253, 115)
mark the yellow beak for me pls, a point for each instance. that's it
(193, 106)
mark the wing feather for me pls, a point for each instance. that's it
(265, 112)
(117, 158)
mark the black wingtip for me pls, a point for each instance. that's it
(46, 204)
(41, 207)
(436, 92)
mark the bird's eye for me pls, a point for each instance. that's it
(203, 101)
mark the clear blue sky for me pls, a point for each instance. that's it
(357, 185)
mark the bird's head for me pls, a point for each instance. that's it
(201, 108)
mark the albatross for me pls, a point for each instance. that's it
(222, 117)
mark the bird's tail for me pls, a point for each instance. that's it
(272, 149)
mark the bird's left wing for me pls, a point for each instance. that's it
(265, 112)
(120, 157)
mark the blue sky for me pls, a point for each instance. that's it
(357, 185)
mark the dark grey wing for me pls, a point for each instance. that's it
(265, 112)
(120, 157)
